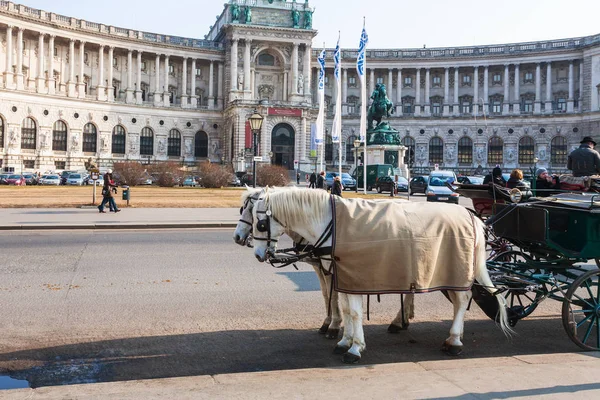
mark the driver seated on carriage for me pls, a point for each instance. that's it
(545, 183)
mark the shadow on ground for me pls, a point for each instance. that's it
(260, 350)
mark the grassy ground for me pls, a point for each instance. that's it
(142, 196)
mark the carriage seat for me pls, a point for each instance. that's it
(581, 183)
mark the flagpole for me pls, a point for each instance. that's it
(361, 67)
(336, 130)
(321, 115)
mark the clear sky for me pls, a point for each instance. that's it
(390, 23)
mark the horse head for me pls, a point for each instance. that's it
(266, 228)
(242, 232)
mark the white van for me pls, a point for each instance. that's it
(437, 189)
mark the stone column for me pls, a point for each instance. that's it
(184, 95)
(548, 105)
(8, 72)
(51, 80)
(110, 89)
(307, 73)
(129, 91)
(234, 59)
(456, 105)
(100, 88)
(81, 82)
(285, 86)
(41, 79)
(570, 100)
(399, 89)
(344, 85)
(295, 69)
(138, 89)
(537, 105)
(220, 84)
(427, 94)
(194, 98)
(157, 91)
(19, 71)
(247, 48)
(71, 82)
(580, 108)
(476, 91)
(418, 93)
(486, 88)
(390, 91)
(446, 111)
(166, 97)
(211, 85)
(517, 96)
(371, 82)
(505, 101)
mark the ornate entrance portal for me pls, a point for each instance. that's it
(282, 145)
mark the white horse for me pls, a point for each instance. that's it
(309, 213)
(333, 319)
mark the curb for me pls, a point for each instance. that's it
(119, 226)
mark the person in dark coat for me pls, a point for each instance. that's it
(516, 180)
(545, 183)
(107, 193)
(495, 177)
(312, 180)
(321, 180)
(337, 187)
(584, 161)
(298, 177)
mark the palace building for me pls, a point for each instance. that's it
(73, 89)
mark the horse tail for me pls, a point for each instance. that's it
(483, 277)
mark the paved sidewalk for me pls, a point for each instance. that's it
(128, 218)
(554, 376)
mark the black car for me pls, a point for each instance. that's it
(386, 183)
(418, 184)
(31, 179)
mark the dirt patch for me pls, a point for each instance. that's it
(141, 197)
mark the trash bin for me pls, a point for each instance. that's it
(125, 192)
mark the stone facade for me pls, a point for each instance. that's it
(74, 89)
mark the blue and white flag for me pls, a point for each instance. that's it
(361, 65)
(321, 95)
(336, 129)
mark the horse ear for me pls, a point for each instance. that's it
(267, 189)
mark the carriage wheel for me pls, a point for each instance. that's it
(520, 297)
(598, 262)
(581, 311)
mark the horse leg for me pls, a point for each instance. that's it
(325, 292)
(460, 301)
(405, 314)
(358, 340)
(333, 320)
(344, 344)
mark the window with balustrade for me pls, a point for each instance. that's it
(436, 151)
(465, 151)
(436, 105)
(407, 105)
(526, 150)
(174, 143)
(147, 142)
(28, 134)
(90, 138)
(558, 151)
(466, 104)
(118, 140)
(495, 151)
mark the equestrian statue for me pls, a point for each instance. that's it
(381, 106)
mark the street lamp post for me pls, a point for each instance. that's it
(256, 121)
(356, 146)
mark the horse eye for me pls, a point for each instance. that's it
(241, 210)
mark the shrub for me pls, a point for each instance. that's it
(272, 175)
(214, 175)
(166, 174)
(130, 173)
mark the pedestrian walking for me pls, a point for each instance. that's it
(584, 161)
(337, 187)
(108, 190)
(312, 180)
(321, 180)
(298, 178)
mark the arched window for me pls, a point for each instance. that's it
(174, 144)
(118, 140)
(436, 150)
(465, 150)
(89, 138)
(495, 151)
(558, 151)
(526, 150)
(147, 142)
(409, 156)
(266, 60)
(1, 132)
(28, 133)
(350, 148)
(59, 136)
(201, 145)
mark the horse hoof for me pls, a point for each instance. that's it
(397, 328)
(323, 329)
(350, 358)
(332, 334)
(452, 350)
(341, 349)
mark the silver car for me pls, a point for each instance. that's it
(50, 180)
(75, 180)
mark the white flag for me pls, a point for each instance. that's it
(336, 129)
(361, 64)
(321, 93)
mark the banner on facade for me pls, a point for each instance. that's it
(248, 136)
(285, 112)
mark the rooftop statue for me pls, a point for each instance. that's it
(247, 15)
(295, 18)
(235, 12)
(307, 19)
(381, 107)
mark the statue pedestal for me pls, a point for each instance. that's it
(384, 146)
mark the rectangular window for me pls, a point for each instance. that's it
(466, 108)
(436, 109)
(407, 108)
(60, 164)
(466, 79)
(352, 81)
(198, 71)
(528, 77)
(115, 62)
(408, 81)
(326, 80)
(171, 69)
(437, 81)
(144, 66)
(29, 164)
(528, 106)
(55, 51)
(379, 80)
(497, 78)
(561, 105)
(496, 107)
(86, 58)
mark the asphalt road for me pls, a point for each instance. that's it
(97, 306)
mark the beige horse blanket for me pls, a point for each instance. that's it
(388, 247)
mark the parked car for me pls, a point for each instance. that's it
(75, 180)
(386, 183)
(3, 178)
(418, 184)
(247, 179)
(437, 189)
(470, 180)
(190, 181)
(17, 180)
(50, 180)
(348, 182)
(64, 176)
(31, 179)
(99, 182)
(235, 181)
